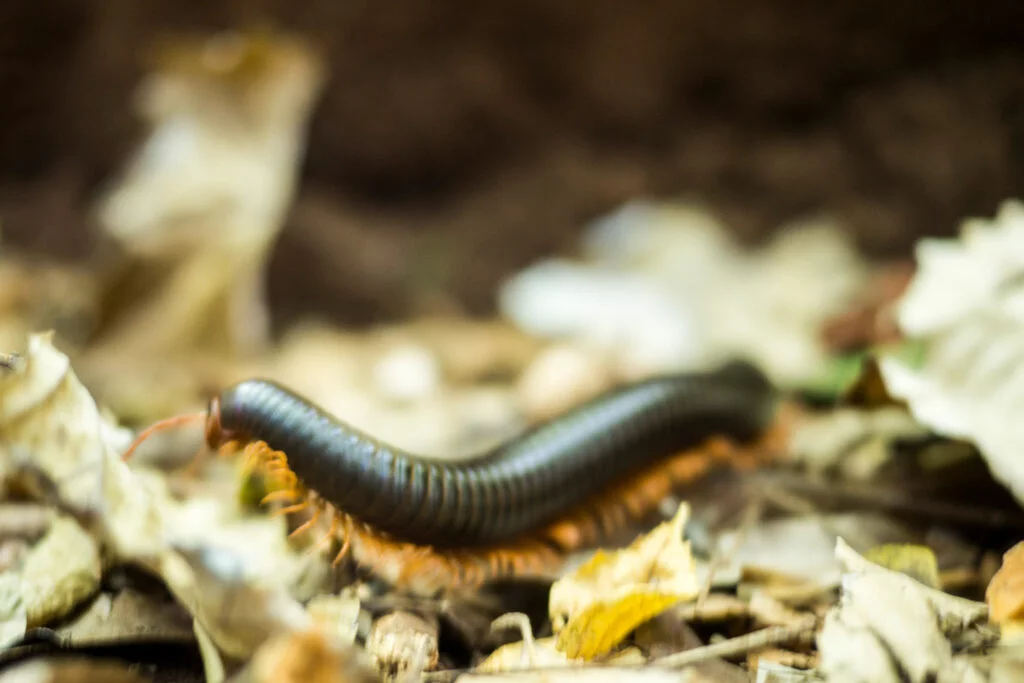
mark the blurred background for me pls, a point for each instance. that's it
(184, 185)
(461, 141)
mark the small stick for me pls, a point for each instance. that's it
(734, 647)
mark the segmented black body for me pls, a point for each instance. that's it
(518, 486)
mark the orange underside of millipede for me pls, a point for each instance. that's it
(427, 570)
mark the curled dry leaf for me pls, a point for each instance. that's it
(966, 305)
(594, 608)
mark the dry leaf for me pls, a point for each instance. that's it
(602, 601)
(205, 196)
(403, 642)
(308, 657)
(544, 653)
(641, 295)
(596, 675)
(889, 627)
(916, 561)
(336, 615)
(238, 614)
(129, 615)
(966, 306)
(60, 572)
(526, 654)
(832, 439)
(1005, 593)
(50, 423)
(955, 614)
(72, 670)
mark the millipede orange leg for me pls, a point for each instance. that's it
(344, 551)
(328, 536)
(280, 496)
(308, 524)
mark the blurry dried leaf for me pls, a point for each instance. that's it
(772, 672)
(407, 373)
(403, 641)
(259, 541)
(559, 378)
(881, 628)
(955, 614)
(205, 196)
(801, 549)
(916, 561)
(308, 657)
(1005, 593)
(27, 521)
(826, 441)
(601, 602)
(889, 627)
(643, 296)
(61, 571)
(129, 615)
(604, 674)
(528, 653)
(336, 615)
(544, 653)
(13, 619)
(49, 420)
(966, 305)
(71, 670)
(470, 350)
(238, 614)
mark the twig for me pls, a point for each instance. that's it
(773, 635)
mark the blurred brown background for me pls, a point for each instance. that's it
(458, 141)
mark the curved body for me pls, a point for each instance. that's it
(518, 486)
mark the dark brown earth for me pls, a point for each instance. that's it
(458, 141)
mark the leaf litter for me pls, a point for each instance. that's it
(884, 539)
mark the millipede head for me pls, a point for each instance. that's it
(214, 433)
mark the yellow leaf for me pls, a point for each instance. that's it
(602, 626)
(593, 609)
(916, 561)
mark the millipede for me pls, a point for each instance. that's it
(515, 510)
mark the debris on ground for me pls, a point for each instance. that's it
(872, 532)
